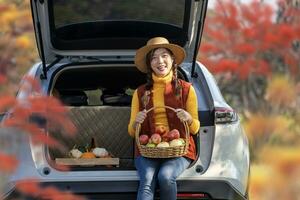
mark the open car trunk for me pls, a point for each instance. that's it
(99, 102)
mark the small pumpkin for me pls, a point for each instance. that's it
(88, 155)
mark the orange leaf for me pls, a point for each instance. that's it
(51, 192)
(6, 102)
(3, 79)
(33, 189)
(8, 163)
(50, 141)
(31, 129)
(28, 187)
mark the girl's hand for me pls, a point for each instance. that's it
(184, 116)
(140, 117)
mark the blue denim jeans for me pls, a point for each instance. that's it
(161, 170)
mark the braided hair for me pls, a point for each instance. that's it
(149, 79)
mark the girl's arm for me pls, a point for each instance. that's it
(134, 110)
(192, 108)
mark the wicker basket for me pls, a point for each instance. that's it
(163, 152)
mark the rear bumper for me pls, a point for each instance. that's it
(215, 189)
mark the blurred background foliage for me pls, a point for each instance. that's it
(252, 48)
(17, 44)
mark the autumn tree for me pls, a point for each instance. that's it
(17, 45)
(253, 51)
(246, 44)
(18, 53)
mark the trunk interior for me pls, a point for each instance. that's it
(107, 125)
(99, 100)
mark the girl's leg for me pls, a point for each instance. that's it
(167, 175)
(147, 169)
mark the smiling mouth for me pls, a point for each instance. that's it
(161, 68)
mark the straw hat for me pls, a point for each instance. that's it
(157, 42)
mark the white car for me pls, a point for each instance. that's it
(87, 53)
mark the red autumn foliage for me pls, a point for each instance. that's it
(50, 141)
(33, 189)
(2, 79)
(8, 163)
(6, 102)
(47, 107)
(236, 34)
(55, 115)
(18, 53)
(36, 104)
(227, 65)
(244, 48)
(28, 187)
(210, 48)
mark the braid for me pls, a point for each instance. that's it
(149, 83)
(175, 81)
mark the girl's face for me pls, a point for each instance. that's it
(161, 62)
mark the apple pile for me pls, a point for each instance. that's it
(162, 138)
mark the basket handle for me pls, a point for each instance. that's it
(156, 107)
(138, 127)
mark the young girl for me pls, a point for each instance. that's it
(160, 59)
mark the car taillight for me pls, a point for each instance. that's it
(225, 115)
(201, 196)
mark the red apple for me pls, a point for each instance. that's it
(143, 139)
(160, 130)
(156, 138)
(170, 135)
(173, 134)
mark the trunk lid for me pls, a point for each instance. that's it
(116, 28)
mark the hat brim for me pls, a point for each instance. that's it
(140, 56)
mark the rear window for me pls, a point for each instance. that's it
(79, 11)
(116, 24)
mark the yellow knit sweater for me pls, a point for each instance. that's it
(160, 116)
